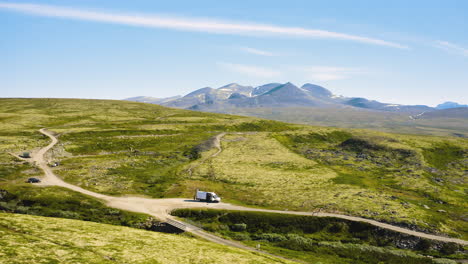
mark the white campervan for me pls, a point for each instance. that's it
(209, 197)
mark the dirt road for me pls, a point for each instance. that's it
(160, 208)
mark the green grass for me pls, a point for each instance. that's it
(397, 165)
(441, 155)
(123, 148)
(321, 240)
(61, 202)
(117, 147)
(34, 239)
(375, 175)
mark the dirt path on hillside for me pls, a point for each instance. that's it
(216, 144)
(161, 208)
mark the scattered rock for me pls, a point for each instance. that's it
(361, 156)
(441, 211)
(432, 170)
(3, 194)
(426, 207)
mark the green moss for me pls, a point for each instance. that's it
(263, 125)
(392, 166)
(32, 239)
(360, 145)
(314, 138)
(351, 179)
(441, 154)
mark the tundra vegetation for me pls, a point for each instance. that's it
(414, 181)
(321, 239)
(127, 148)
(60, 202)
(34, 239)
(392, 122)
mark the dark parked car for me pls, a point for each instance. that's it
(33, 180)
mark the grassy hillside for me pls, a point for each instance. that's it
(34, 239)
(120, 148)
(394, 178)
(111, 146)
(61, 202)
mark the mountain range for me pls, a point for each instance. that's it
(277, 95)
(448, 105)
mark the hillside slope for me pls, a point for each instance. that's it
(450, 122)
(121, 148)
(34, 239)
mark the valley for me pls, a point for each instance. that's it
(219, 132)
(145, 151)
(315, 105)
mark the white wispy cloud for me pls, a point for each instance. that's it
(257, 51)
(452, 48)
(326, 73)
(250, 70)
(189, 24)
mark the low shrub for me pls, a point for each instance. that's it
(449, 248)
(271, 237)
(262, 125)
(424, 244)
(241, 236)
(238, 227)
(302, 232)
(338, 227)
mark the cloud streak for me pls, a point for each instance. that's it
(257, 52)
(326, 73)
(452, 48)
(190, 24)
(254, 71)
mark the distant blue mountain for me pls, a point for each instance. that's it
(448, 105)
(280, 95)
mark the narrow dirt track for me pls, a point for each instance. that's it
(216, 144)
(160, 208)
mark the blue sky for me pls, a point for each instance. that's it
(409, 52)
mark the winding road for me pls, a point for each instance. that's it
(160, 208)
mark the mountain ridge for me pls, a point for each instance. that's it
(234, 95)
(449, 105)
